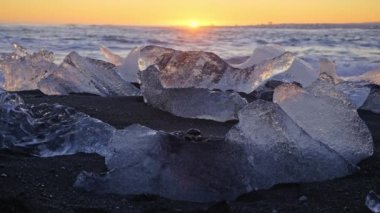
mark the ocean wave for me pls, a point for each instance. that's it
(120, 39)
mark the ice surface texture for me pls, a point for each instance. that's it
(190, 102)
(206, 70)
(78, 74)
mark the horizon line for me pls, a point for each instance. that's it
(185, 26)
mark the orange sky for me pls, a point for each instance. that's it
(183, 12)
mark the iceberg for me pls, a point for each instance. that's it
(190, 102)
(78, 74)
(327, 117)
(23, 71)
(300, 71)
(194, 69)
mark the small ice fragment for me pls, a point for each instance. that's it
(371, 77)
(129, 69)
(111, 57)
(329, 67)
(372, 201)
(300, 71)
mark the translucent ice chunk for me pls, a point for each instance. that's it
(329, 68)
(280, 151)
(300, 71)
(190, 102)
(129, 69)
(206, 70)
(357, 94)
(371, 77)
(327, 117)
(22, 71)
(329, 83)
(261, 54)
(126, 67)
(78, 74)
(145, 161)
(50, 130)
(111, 57)
(372, 201)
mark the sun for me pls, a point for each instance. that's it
(194, 24)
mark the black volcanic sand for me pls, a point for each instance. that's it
(31, 184)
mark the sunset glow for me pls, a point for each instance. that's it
(179, 12)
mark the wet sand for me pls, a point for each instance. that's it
(31, 184)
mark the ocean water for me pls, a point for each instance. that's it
(355, 48)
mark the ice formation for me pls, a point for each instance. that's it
(172, 166)
(126, 67)
(280, 151)
(129, 69)
(111, 57)
(78, 74)
(371, 77)
(22, 71)
(372, 201)
(190, 102)
(373, 101)
(355, 92)
(206, 70)
(300, 71)
(327, 117)
(49, 130)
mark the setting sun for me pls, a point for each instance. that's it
(194, 24)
